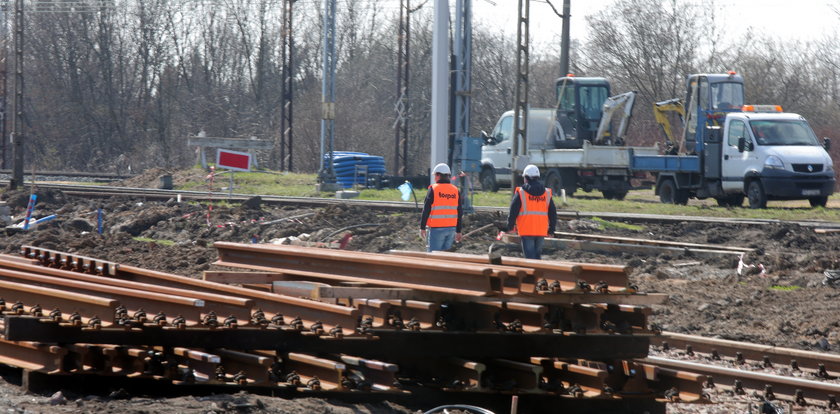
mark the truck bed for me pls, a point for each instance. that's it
(665, 163)
(590, 156)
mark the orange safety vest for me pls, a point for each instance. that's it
(533, 213)
(444, 211)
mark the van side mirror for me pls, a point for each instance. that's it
(488, 140)
(744, 145)
(826, 143)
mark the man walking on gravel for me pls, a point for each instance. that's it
(441, 212)
(532, 213)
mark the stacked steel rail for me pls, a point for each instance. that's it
(308, 320)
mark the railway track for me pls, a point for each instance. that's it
(5, 174)
(201, 196)
(796, 377)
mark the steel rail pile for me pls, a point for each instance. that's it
(119, 320)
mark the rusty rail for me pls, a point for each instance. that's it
(744, 352)
(382, 269)
(771, 387)
(562, 271)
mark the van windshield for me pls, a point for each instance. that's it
(783, 132)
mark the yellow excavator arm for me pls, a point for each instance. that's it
(660, 112)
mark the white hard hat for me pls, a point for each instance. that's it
(441, 169)
(531, 170)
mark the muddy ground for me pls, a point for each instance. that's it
(786, 305)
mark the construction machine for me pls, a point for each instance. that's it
(574, 144)
(660, 113)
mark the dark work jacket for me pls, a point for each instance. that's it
(534, 188)
(427, 207)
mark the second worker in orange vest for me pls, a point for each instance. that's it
(441, 212)
(532, 213)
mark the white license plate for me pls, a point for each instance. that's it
(810, 192)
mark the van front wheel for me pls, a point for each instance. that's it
(818, 201)
(756, 195)
(488, 180)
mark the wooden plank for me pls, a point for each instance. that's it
(231, 277)
(333, 292)
(826, 231)
(299, 288)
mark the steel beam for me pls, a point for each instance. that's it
(221, 304)
(388, 270)
(69, 302)
(549, 269)
(190, 308)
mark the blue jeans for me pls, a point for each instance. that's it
(532, 246)
(440, 238)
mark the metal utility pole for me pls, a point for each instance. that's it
(286, 92)
(564, 41)
(17, 136)
(326, 176)
(3, 104)
(463, 67)
(440, 84)
(401, 107)
(462, 90)
(520, 109)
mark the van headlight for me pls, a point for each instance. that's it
(829, 166)
(773, 162)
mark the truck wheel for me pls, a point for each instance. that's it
(554, 182)
(669, 194)
(614, 194)
(731, 200)
(756, 195)
(488, 180)
(818, 201)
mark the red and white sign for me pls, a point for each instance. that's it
(233, 160)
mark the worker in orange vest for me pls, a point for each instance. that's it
(532, 213)
(441, 211)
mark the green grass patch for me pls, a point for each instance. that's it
(785, 288)
(160, 242)
(639, 201)
(617, 225)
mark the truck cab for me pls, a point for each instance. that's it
(579, 108)
(496, 152)
(770, 155)
(708, 98)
